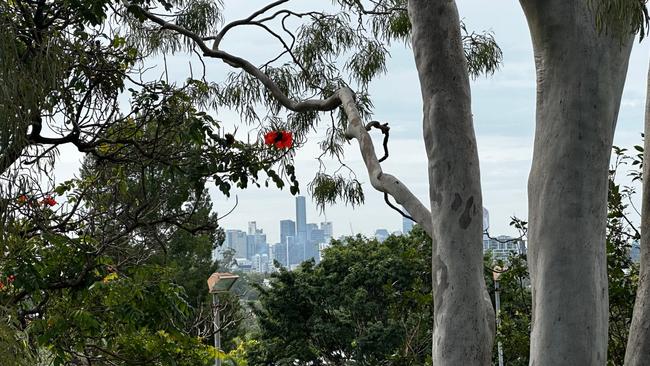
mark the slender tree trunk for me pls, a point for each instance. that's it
(580, 77)
(463, 331)
(637, 352)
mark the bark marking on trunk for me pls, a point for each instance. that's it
(463, 315)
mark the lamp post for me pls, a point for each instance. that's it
(219, 282)
(496, 273)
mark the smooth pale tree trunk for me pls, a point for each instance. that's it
(463, 331)
(637, 352)
(580, 77)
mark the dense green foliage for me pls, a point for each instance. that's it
(365, 303)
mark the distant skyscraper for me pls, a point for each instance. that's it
(301, 219)
(407, 225)
(317, 236)
(287, 228)
(310, 228)
(328, 230)
(381, 234)
(295, 251)
(279, 253)
(252, 228)
(237, 240)
(503, 246)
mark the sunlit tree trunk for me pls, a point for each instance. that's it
(580, 77)
(637, 352)
(463, 331)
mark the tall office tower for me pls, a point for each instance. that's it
(328, 230)
(407, 225)
(256, 244)
(295, 252)
(287, 228)
(301, 220)
(252, 228)
(310, 228)
(237, 240)
(279, 253)
(381, 235)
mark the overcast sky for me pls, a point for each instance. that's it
(503, 108)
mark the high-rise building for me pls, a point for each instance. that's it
(252, 228)
(237, 240)
(311, 227)
(503, 246)
(381, 234)
(295, 252)
(328, 230)
(255, 241)
(407, 225)
(317, 236)
(287, 228)
(301, 219)
(279, 253)
(260, 263)
(256, 244)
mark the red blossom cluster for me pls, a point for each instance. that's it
(47, 201)
(279, 139)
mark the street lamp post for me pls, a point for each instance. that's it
(219, 282)
(497, 301)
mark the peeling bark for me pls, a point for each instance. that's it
(463, 315)
(637, 352)
(580, 77)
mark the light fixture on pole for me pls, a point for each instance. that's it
(496, 273)
(219, 282)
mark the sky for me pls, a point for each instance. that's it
(504, 113)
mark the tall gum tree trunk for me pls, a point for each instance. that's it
(463, 331)
(580, 77)
(637, 352)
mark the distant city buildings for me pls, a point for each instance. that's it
(381, 235)
(502, 246)
(328, 230)
(407, 225)
(301, 240)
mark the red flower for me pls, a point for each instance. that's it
(270, 137)
(48, 200)
(281, 139)
(22, 198)
(11, 278)
(2, 285)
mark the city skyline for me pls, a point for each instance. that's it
(301, 240)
